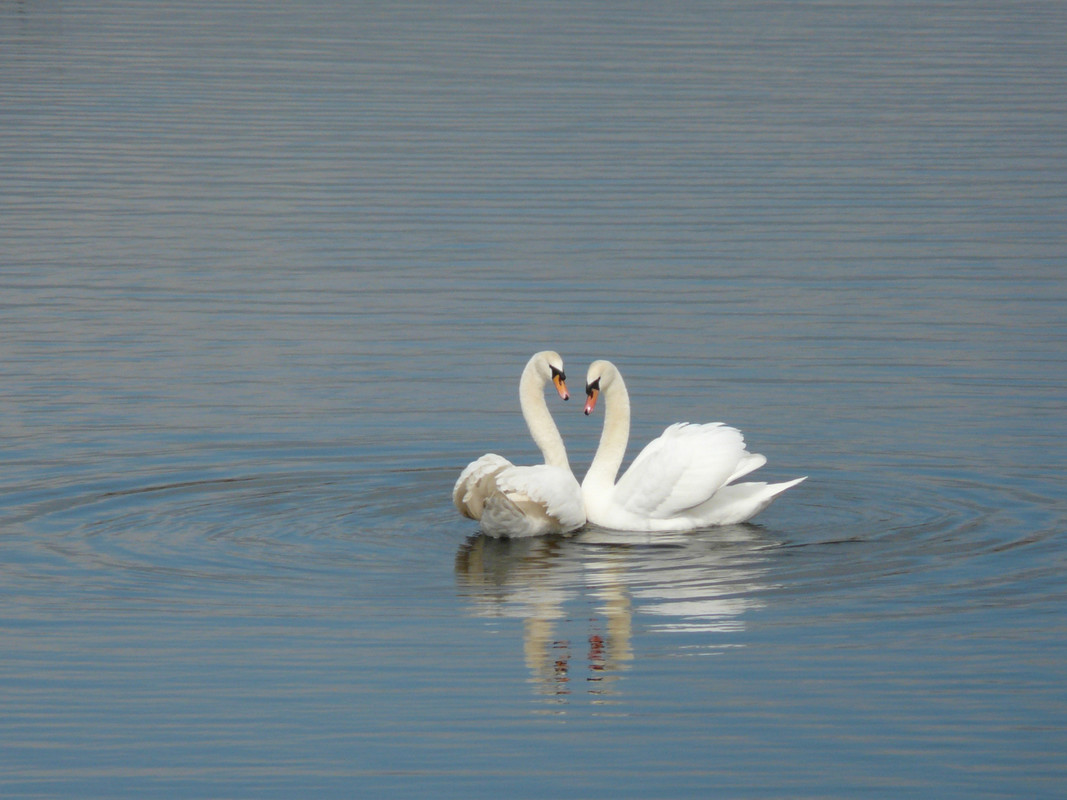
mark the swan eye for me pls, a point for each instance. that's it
(557, 373)
(592, 387)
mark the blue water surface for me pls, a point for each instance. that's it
(269, 275)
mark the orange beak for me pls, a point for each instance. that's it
(561, 387)
(590, 400)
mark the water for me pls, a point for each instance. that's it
(268, 279)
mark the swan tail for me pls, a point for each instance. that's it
(740, 502)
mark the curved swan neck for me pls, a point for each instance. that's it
(538, 418)
(614, 436)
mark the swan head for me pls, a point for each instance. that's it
(600, 376)
(548, 366)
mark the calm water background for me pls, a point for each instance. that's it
(269, 273)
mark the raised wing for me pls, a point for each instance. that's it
(683, 468)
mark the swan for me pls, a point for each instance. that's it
(682, 480)
(526, 501)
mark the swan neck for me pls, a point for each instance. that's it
(539, 420)
(613, 438)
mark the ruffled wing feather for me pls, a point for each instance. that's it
(548, 500)
(519, 501)
(476, 483)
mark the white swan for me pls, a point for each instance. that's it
(526, 501)
(681, 481)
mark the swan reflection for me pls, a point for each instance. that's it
(591, 588)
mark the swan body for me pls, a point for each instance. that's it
(683, 480)
(526, 501)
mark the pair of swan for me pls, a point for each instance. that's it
(682, 480)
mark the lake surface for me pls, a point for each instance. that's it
(269, 274)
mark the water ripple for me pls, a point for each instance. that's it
(202, 535)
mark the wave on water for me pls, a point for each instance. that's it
(208, 536)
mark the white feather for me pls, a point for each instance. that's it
(530, 501)
(476, 483)
(680, 469)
